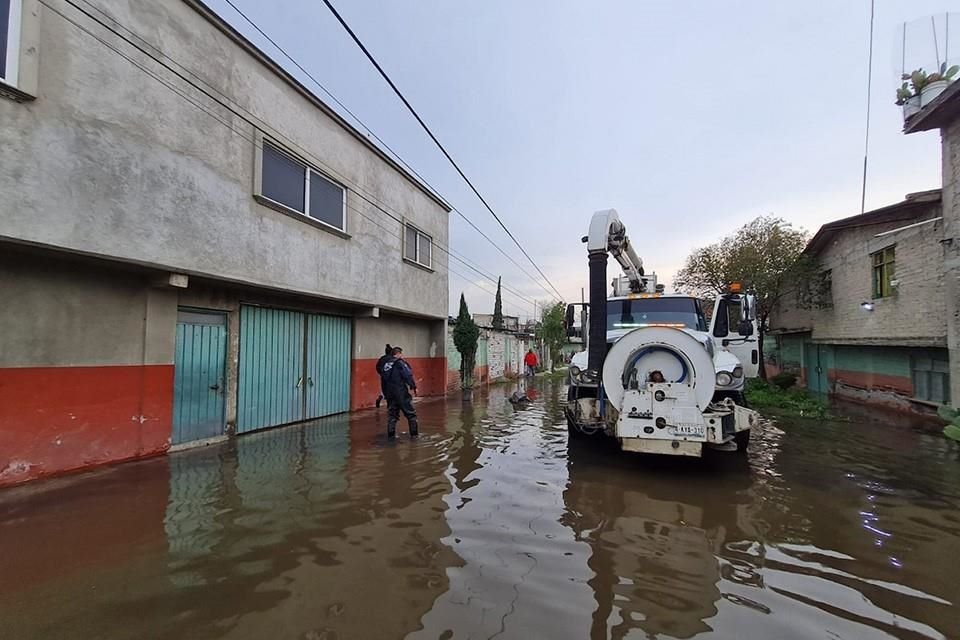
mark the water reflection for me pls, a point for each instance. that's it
(493, 524)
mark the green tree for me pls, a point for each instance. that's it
(498, 309)
(552, 332)
(466, 335)
(766, 255)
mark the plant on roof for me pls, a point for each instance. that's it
(944, 73)
(904, 94)
(918, 80)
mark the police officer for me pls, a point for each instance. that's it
(398, 381)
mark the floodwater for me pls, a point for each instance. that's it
(493, 525)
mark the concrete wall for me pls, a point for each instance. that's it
(499, 357)
(481, 369)
(423, 346)
(870, 374)
(951, 249)
(108, 161)
(914, 315)
(86, 366)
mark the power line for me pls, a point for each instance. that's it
(399, 158)
(866, 135)
(251, 140)
(440, 146)
(376, 204)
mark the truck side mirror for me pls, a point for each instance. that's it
(748, 308)
(745, 328)
(568, 321)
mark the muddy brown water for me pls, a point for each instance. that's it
(493, 525)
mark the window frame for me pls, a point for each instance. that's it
(926, 366)
(308, 171)
(420, 233)
(882, 271)
(9, 74)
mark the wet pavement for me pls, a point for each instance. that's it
(493, 524)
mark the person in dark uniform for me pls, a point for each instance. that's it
(387, 354)
(398, 382)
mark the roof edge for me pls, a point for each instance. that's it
(911, 202)
(936, 114)
(258, 54)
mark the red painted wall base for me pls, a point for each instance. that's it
(431, 375)
(57, 419)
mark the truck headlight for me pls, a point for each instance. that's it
(738, 372)
(724, 379)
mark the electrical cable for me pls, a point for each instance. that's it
(437, 142)
(229, 126)
(389, 148)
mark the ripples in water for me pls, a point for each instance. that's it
(493, 524)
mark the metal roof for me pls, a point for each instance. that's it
(913, 207)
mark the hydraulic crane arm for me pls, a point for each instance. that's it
(609, 235)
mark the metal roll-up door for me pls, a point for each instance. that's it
(271, 372)
(327, 365)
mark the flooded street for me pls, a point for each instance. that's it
(491, 525)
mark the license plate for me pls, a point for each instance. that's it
(689, 430)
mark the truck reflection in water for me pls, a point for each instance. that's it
(655, 545)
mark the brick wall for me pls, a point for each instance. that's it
(914, 315)
(951, 247)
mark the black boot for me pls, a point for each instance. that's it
(391, 431)
(414, 429)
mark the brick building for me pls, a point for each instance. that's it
(874, 328)
(944, 114)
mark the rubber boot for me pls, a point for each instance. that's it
(391, 431)
(414, 429)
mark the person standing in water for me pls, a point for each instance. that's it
(530, 363)
(398, 382)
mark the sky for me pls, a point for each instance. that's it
(689, 118)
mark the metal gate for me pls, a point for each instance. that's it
(198, 385)
(328, 366)
(293, 367)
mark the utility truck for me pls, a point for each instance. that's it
(655, 375)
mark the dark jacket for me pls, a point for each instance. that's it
(382, 361)
(397, 376)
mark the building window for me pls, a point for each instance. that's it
(287, 181)
(884, 263)
(9, 40)
(417, 246)
(931, 378)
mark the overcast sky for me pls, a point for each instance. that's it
(690, 118)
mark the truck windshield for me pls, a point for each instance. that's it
(655, 312)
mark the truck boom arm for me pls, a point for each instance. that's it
(609, 235)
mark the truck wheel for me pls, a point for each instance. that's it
(742, 438)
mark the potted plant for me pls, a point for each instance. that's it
(908, 100)
(936, 83)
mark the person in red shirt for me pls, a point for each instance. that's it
(530, 362)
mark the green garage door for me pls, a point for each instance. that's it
(293, 367)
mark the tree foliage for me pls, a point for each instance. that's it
(552, 332)
(498, 309)
(766, 255)
(466, 336)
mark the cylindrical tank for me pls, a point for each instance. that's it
(677, 356)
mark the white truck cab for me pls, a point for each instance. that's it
(655, 375)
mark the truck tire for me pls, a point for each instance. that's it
(742, 439)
